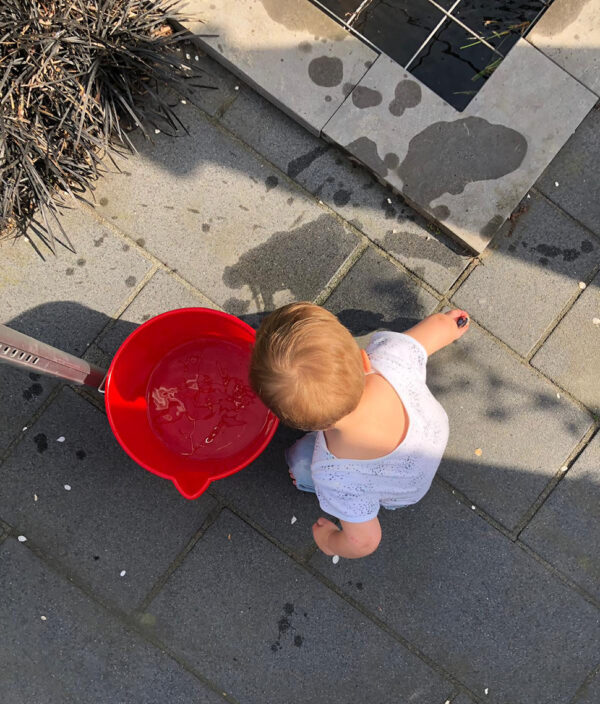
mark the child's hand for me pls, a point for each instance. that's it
(455, 315)
(322, 531)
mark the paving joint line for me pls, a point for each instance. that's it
(158, 585)
(303, 562)
(533, 369)
(341, 273)
(128, 621)
(560, 576)
(148, 276)
(35, 416)
(547, 198)
(532, 511)
(464, 499)
(556, 322)
(161, 266)
(462, 277)
(590, 677)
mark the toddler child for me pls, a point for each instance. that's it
(377, 434)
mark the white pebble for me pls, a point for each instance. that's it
(389, 200)
(35, 497)
(335, 559)
(25, 428)
(123, 573)
(236, 87)
(196, 58)
(43, 618)
(528, 195)
(294, 519)
(473, 507)
(183, 102)
(557, 395)
(156, 131)
(21, 538)
(188, 57)
(557, 184)
(564, 468)
(596, 321)
(486, 690)
(67, 487)
(60, 439)
(582, 285)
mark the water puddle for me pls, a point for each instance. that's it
(199, 402)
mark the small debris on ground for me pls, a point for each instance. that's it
(557, 184)
(156, 131)
(478, 452)
(196, 58)
(43, 618)
(122, 573)
(236, 88)
(188, 57)
(229, 537)
(21, 538)
(596, 321)
(67, 487)
(183, 101)
(557, 395)
(335, 559)
(25, 428)
(35, 497)
(389, 200)
(582, 285)
(473, 507)
(486, 690)
(294, 519)
(564, 468)
(60, 439)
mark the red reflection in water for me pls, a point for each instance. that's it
(200, 403)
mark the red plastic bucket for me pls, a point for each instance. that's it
(178, 399)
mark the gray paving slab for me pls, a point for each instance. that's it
(212, 211)
(116, 516)
(265, 494)
(569, 34)
(348, 188)
(566, 529)
(265, 630)
(474, 602)
(574, 169)
(494, 403)
(64, 301)
(275, 46)
(162, 293)
(532, 272)
(376, 295)
(462, 699)
(219, 86)
(467, 170)
(77, 653)
(590, 694)
(570, 355)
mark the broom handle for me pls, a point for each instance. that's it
(26, 352)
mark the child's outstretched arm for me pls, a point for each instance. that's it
(354, 540)
(439, 330)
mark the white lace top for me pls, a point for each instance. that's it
(353, 490)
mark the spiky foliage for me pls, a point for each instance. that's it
(75, 76)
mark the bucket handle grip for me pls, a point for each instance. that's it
(26, 352)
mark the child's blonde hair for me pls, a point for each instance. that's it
(306, 367)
